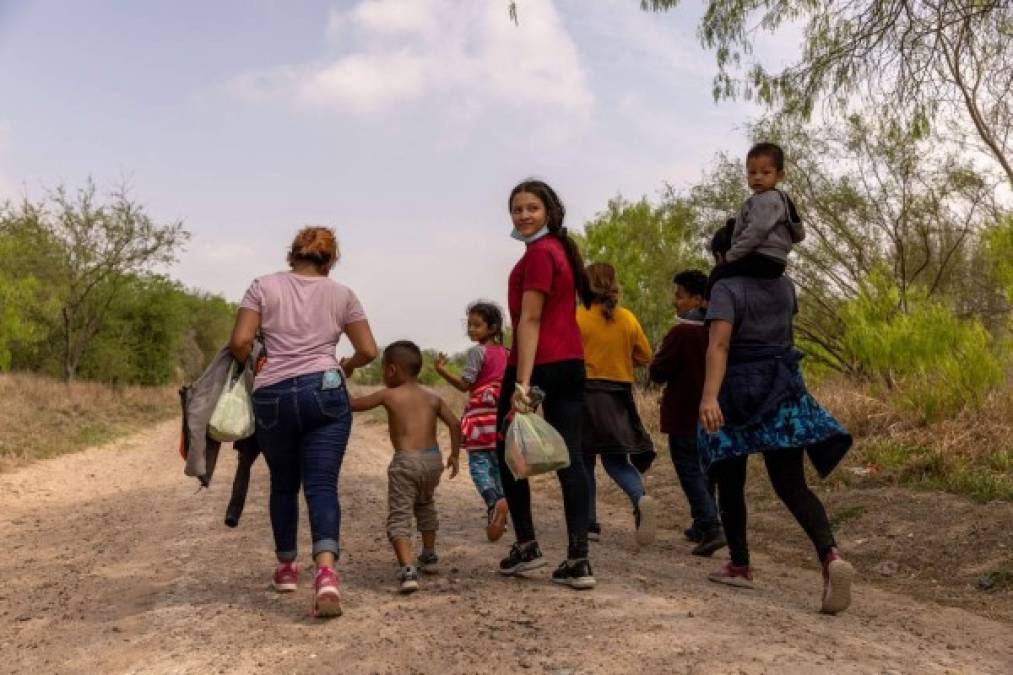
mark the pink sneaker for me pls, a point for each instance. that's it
(327, 597)
(286, 577)
(837, 576)
(740, 576)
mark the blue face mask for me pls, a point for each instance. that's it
(531, 238)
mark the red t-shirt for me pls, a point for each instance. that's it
(545, 267)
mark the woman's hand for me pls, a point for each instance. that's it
(710, 415)
(347, 369)
(520, 401)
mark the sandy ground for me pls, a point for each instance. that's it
(113, 563)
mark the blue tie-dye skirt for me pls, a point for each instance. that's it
(797, 422)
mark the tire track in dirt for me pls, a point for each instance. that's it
(114, 564)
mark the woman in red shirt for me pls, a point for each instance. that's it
(547, 352)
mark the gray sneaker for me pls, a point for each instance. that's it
(644, 519)
(427, 562)
(409, 578)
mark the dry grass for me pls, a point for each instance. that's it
(42, 417)
(970, 454)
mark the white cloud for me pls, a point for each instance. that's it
(395, 52)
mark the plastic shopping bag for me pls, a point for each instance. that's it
(533, 446)
(232, 418)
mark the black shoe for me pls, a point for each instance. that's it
(594, 532)
(523, 557)
(692, 534)
(575, 574)
(711, 542)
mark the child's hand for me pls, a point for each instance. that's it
(441, 362)
(454, 464)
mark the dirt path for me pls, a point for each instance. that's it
(113, 564)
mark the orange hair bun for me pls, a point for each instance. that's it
(317, 245)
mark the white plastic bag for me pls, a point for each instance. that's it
(232, 418)
(533, 446)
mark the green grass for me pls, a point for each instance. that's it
(985, 478)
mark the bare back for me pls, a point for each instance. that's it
(412, 411)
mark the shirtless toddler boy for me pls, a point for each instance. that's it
(417, 466)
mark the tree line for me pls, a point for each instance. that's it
(80, 295)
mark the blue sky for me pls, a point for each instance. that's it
(401, 123)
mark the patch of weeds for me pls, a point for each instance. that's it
(845, 514)
(1001, 577)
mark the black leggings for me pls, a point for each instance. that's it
(787, 476)
(563, 384)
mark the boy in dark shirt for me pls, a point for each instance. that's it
(680, 366)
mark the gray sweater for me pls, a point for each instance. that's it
(764, 225)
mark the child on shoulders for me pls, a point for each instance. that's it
(482, 377)
(767, 225)
(417, 466)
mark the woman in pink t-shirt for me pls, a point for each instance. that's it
(300, 401)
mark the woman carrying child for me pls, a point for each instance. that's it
(482, 379)
(614, 344)
(755, 401)
(547, 352)
(300, 400)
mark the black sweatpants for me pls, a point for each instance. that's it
(563, 384)
(787, 476)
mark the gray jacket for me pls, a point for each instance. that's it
(198, 400)
(767, 224)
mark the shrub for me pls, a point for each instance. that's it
(934, 362)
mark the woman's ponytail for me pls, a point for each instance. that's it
(556, 212)
(601, 278)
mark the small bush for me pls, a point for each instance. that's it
(933, 362)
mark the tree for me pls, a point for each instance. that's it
(890, 199)
(647, 244)
(29, 287)
(922, 61)
(104, 245)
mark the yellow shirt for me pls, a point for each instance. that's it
(612, 349)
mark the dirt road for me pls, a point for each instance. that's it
(113, 564)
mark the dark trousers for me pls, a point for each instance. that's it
(303, 431)
(698, 488)
(787, 476)
(755, 265)
(563, 384)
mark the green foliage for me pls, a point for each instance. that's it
(999, 253)
(647, 244)
(935, 362)
(921, 63)
(75, 295)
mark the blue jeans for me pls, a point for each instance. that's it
(484, 469)
(698, 488)
(620, 470)
(303, 431)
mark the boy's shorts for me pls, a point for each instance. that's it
(412, 478)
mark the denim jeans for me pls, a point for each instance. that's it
(484, 469)
(563, 384)
(699, 489)
(303, 431)
(620, 470)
